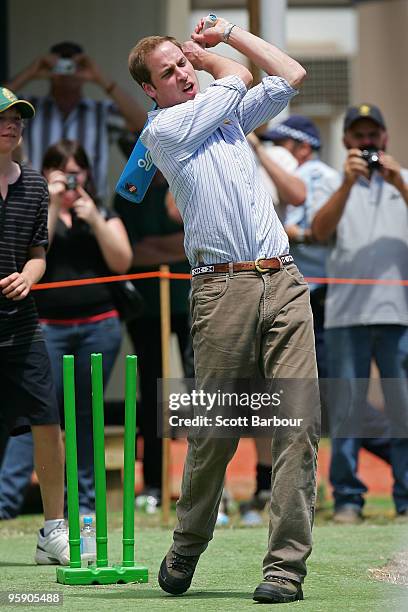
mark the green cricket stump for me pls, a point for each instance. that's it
(101, 573)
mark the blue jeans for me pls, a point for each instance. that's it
(80, 341)
(350, 351)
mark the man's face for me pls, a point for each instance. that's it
(173, 78)
(65, 82)
(301, 151)
(11, 126)
(365, 133)
(286, 143)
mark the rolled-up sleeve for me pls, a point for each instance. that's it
(180, 130)
(263, 102)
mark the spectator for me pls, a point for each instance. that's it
(86, 240)
(66, 113)
(365, 215)
(157, 238)
(28, 395)
(300, 137)
(271, 159)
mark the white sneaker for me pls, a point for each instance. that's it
(53, 549)
(251, 518)
(222, 519)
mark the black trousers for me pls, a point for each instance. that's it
(146, 339)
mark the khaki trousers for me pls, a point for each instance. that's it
(251, 325)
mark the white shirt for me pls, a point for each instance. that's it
(310, 258)
(285, 160)
(371, 242)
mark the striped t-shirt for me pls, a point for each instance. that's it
(89, 123)
(23, 224)
(201, 149)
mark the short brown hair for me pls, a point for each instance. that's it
(137, 56)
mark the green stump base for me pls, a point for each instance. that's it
(102, 575)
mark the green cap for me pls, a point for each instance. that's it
(9, 99)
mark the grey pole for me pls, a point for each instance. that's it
(273, 27)
(273, 21)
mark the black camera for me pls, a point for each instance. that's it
(72, 182)
(372, 157)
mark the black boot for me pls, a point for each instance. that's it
(278, 590)
(176, 572)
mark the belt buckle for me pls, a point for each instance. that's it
(259, 268)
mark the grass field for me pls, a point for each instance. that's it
(229, 570)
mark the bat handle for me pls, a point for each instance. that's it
(209, 22)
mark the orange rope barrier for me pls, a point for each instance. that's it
(110, 279)
(356, 281)
(180, 276)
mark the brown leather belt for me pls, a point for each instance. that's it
(259, 265)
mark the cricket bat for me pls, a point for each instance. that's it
(140, 169)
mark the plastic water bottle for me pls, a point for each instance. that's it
(88, 541)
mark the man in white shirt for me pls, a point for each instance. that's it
(364, 213)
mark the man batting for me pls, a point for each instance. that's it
(251, 314)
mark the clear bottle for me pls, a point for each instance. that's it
(88, 541)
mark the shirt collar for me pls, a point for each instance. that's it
(153, 113)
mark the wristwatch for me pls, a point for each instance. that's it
(227, 32)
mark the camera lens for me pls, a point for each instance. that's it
(72, 182)
(372, 157)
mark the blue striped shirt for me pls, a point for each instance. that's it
(201, 149)
(310, 258)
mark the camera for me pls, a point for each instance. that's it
(64, 65)
(372, 157)
(72, 182)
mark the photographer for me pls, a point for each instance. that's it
(86, 241)
(66, 113)
(365, 214)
